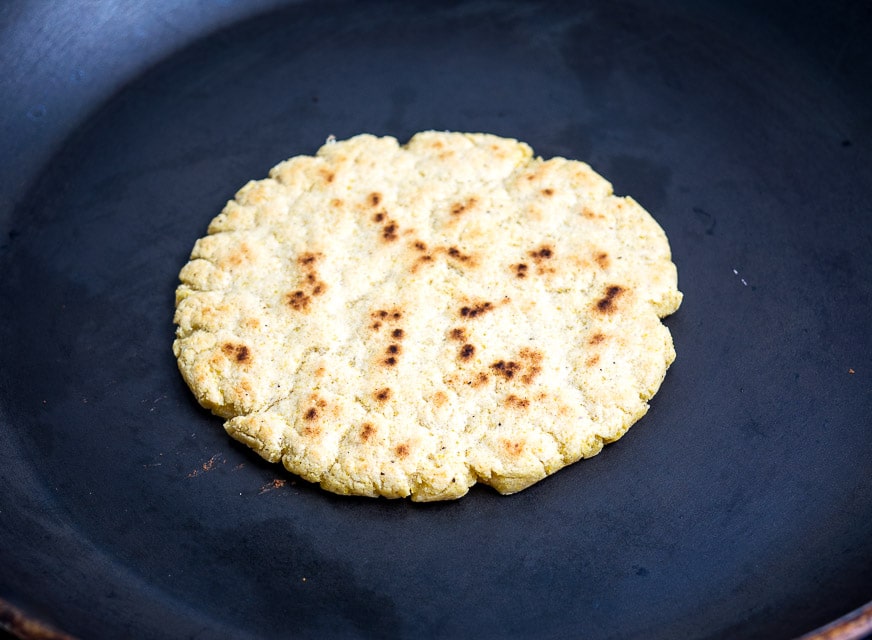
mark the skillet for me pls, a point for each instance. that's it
(740, 507)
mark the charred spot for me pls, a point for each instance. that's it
(608, 303)
(366, 431)
(311, 414)
(379, 217)
(548, 192)
(390, 361)
(298, 300)
(596, 338)
(374, 199)
(457, 333)
(238, 352)
(398, 334)
(389, 232)
(375, 326)
(520, 270)
(394, 349)
(381, 313)
(396, 315)
(328, 176)
(480, 380)
(382, 395)
(457, 254)
(467, 351)
(311, 277)
(402, 450)
(420, 246)
(506, 369)
(307, 259)
(319, 289)
(476, 310)
(602, 259)
(542, 253)
(459, 208)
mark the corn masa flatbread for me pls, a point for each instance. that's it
(400, 321)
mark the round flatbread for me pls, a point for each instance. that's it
(410, 320)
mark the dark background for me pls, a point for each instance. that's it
(741, 506)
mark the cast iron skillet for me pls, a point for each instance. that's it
(740, 507)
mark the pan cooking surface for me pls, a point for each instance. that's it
(740, 506)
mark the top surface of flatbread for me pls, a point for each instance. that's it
(408, 320)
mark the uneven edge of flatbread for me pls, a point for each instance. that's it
(268, 433)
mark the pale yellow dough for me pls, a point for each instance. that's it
(410, 320)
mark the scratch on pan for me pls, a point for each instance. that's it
(207, 466)
(736, 273)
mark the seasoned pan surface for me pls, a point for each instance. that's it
(741, 506)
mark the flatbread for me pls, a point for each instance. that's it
(399, 321)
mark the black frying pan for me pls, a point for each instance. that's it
(740, 507)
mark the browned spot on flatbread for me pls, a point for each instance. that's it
(298, 300)
(520, 270)
(252, 323)
(459, 208)
(505, 369)
(590, 214)
(389, 231)
(398, 334)
(456, 254)
(312, 430)
(458, 334)
(311, 414)
(480, 380)
(402, 450)
(531, 360)
(394, 349)
(525, 371)
(419, 245)
(366, 431)
(440, 398)
(515, 402)
(319, 289)
(239, 352)
(466, 351)
(609, 302)
(548, 192)
(390, 361)
(240, 255)
(374, 199)
(379, 217)
(513, 448)
(337, 203)
(382, 395)
(602, 259)
(593, 360)
(307, 259)
(476, 309)
(596, 338)
(544, 252)
(327, 175)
